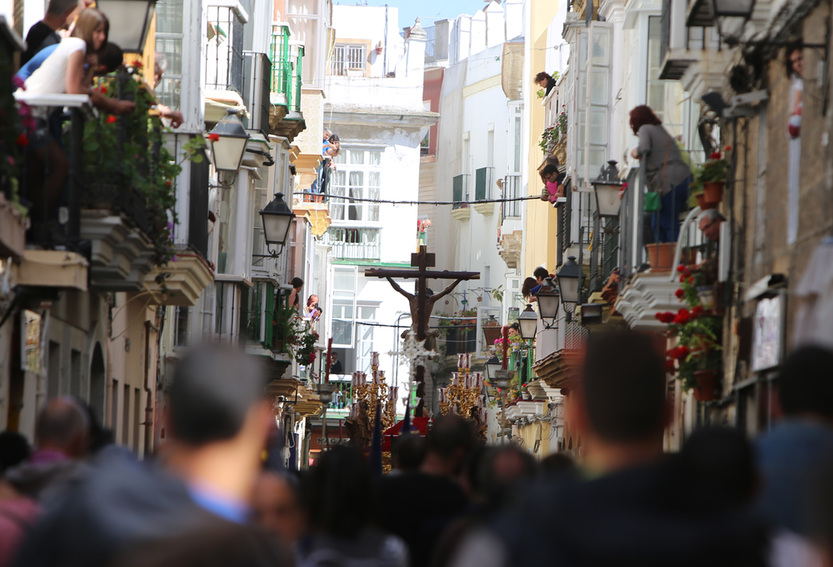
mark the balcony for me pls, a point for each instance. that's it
(257, 75)
(483, 190)
(224, 51)
(460, 195)
(285, 85)
(181, 281)
(120, 189)
(354, 243)
(689, 41)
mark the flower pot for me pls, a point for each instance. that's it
(661, 255)
(703, 203)
(492, 334)
(713, 191)
(706, 388)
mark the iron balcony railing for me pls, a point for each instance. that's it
(511, 190)
(354, 243)
(287, 66)
(224, 53)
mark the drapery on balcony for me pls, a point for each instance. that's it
(287, 66)
(224, 52)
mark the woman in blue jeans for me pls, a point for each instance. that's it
(666, 172)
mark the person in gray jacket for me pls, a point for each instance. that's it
(666, 172)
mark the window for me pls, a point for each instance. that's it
(364, 336)
(169, 43)
(344, 306)
(348, 57)
(359, 175)
(663, 96)
(181, 326)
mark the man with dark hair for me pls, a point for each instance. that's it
(61, 438)
(217, 423)
(801, 441)
(441, 499)
(618, 509)
(44, 33)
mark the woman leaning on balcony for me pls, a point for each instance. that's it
(666, 173)
(68, 69)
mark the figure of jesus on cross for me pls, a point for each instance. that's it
(422, 305)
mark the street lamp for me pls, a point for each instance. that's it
(548, 300)
(277, 218)
(129, 22)
(528, 322)
(493, 365)
(569, 283)
(606, 187)
(228, 141)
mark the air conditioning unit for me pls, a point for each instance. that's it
(257, 75)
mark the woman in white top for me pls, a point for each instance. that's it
(62, 72)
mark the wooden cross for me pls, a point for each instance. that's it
(421, 305)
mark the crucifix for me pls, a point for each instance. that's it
(422, 305)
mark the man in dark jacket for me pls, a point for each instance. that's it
(217, 421)
(45, 32)
(621, 508)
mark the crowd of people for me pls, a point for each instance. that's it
(215, 493)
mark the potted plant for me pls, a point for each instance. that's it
(710, 178)
(697, 355)
(491, 329)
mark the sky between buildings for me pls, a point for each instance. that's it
(427, 10)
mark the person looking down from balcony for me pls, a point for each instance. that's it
(709, 223)
(67, 70)
(45, 33)
(545, 81)
(666, 172)
(297, 285)
(526, 289)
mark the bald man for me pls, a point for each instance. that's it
(61, 440)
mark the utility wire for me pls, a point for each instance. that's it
(391, 202)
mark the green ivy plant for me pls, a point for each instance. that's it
(141, 161)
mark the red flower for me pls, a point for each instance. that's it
(681, 268)
(665, 317)
(102, 89)
(168, 183)
(22, 140)
(214, 137)
(715, 155)
(697, 310)
(679, 293)
(111, 119)
(728, 148)
(682, 278)
(682, 317)
(691, 280)
(681, 352)
(670, 368)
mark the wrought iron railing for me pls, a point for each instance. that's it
(512, 190)
(354, 243)
(224, 52)
(287, 66)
